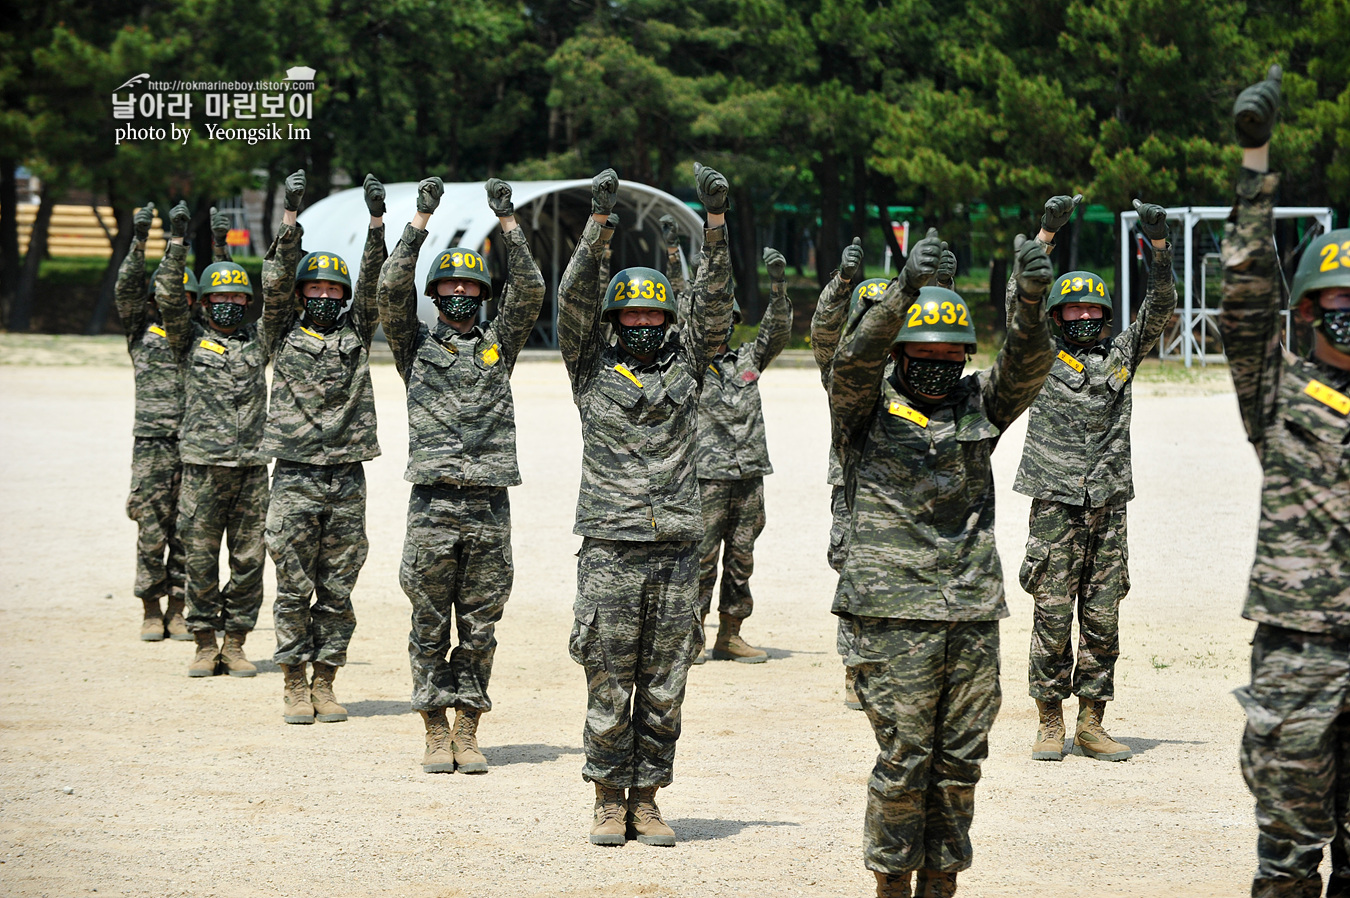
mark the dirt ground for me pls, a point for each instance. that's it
(120, 775)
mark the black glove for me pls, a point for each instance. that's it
(712, 189)
(178, 220)
(946, 273)
(499, 197)
(220, 226)
(374, 195)
(775, 263)
(1152, 220)
(1058, 211)
(604, 192)
(1257, 109)
(295, 190)
(851, 261)
(612, 223)
(1031, 268)
(429, 191)
(922, 263)
(670, 231)
(142, 220)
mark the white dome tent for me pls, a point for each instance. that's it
(551, 212)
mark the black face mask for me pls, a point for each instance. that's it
(932, 377)
(1335, 326)
(642, 339)
(226, 314)
(323, 310)
(1084, 330)
(458, 307)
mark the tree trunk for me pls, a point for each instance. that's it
(21, 314)
(860, 204)
(1074, 228)
(827, 240)
(199, 234)
(9, 236)
(269, 200)
(121, 243)
(998, 294)
(745, 256)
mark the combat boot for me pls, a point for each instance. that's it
(326, 707)
(204, 662)
(173, 619)
(232, 656)
(464, 741)
(934, 884)
(295, 704)
(644, 818)
(1050, 733)
(702, 656)
(438, 758)
(152, 625)
(893, 885)
(607, 821)
(851, 690)
(731, 647)
(1091, 738)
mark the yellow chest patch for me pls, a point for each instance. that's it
(314, 334)
(1071, 361)
(1328, 397)
(628, 374)
(909, 414)
(492, 355)
(156, 329)
(211, 345)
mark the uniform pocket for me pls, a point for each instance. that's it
(1034, 565)
(583, 631)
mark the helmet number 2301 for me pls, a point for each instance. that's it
(932, 312)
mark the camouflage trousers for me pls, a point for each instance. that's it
(1075, 553)
(156, 477)
(636, 633)
(316, 535)
(457, 573)
(931, 692)
(733, 518)
(835, 554)
(219, 502)
(1296, 760)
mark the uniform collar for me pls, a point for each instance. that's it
(444, 332)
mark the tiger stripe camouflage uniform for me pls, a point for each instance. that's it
(1296, 747)
(321, 429)
(1076, 469)
(461, 459)
(224, 490)
(733, 458)
(921, 586)
(638, 511)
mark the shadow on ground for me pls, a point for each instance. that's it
(697, 829)
(530, 753)
(377, 708)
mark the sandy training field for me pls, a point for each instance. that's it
(122, 776)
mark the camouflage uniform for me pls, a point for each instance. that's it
(921, 586)
(461, 459)
(636, 629)
(1076, 468)
(224, 488)
(733, 457)
(320, 428)
(1296, 747)
(156, 471)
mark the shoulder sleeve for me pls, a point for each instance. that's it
(579, 305)
(365, 308)
(1020, 367)
(129, 293)
(710, 298)
(278, 285)
(172, 300)
(396, 298)
(524, 294)
(775, 327)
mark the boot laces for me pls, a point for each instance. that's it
(466, 729)
(609, 806)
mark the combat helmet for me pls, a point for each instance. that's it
(938, 315)
(639, 288)
(1080, 286)
(459, 263)
(324, 266)
(1325, 263)
(225, 277)
(870, 289)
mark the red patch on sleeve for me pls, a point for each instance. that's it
(750, 376)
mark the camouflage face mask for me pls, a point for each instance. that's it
(933, 377)
(226, 314)
(1335, 325)
(324, 310)
(1084, 330)
(644, 339)
(458, 307)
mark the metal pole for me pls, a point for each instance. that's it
(1187, 319)
(557, 239)
(1126, 267)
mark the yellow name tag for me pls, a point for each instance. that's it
(311, 333)
(628, 374)
(1071, 361)
(214, 347)
(1328, 397)
(491, 356)
(1123, 374)
(156, 329)
(904, 411)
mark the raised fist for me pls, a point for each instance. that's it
(851, 262)
(946, 272)
(429, 192)
(712, 189)
(1152, 220)
(670, 231)
(374, 195)
(142, 220)
(1031, 268)
(1058, 211)
(775, 263)
(220, 226)
(178, 220)
(922, 264)
(1257, 109)
(604, 192)
(295, 190)
(499, 197)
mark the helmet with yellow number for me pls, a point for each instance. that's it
(324, 266)
(225, 277)
(938, 315)
(639, 288)
(869, 291)
(459, 263)
(1079, 286)
(1325, 263)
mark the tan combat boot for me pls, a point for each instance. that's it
(607, 821)
(1092, 739)
(702, 656)
(152, 624)
(464, 742)
(934, 884)
(295, 704)
(644, 818)
(851, 690)
(173, 619)
(893, 885)
(232, 656)
(204, 662)
(731, 647)
(1050, 733)
(438, 758)
(326, 707)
